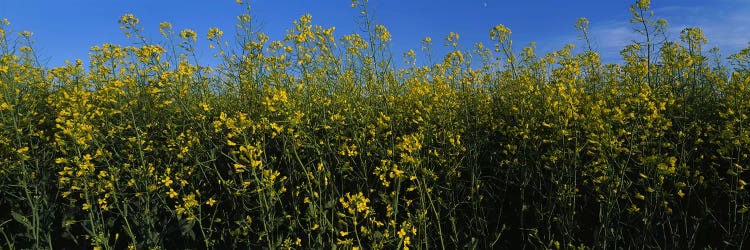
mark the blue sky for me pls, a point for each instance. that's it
(65, 30)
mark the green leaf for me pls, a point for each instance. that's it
(21, 219)
(743, 210)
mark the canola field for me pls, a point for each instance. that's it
(319, 141)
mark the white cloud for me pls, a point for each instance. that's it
(613, 36)
(731, 32)
(725, 24)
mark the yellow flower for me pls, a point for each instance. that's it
(167, 181)
(634, 209)
(382, 33)
(211, 202)
(22, 150)
(640, 196)
(85, 206)
(644, 4)
(128, 19)
(172, 193)
(103, 204)
(239, 168)
(499, 33)
(165, 26)
(188, 34)
(214, 33)
(401, 233)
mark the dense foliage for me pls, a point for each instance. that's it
(318, 141)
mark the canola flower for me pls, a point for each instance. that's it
(318, 140)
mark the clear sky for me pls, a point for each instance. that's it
(66, 29)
